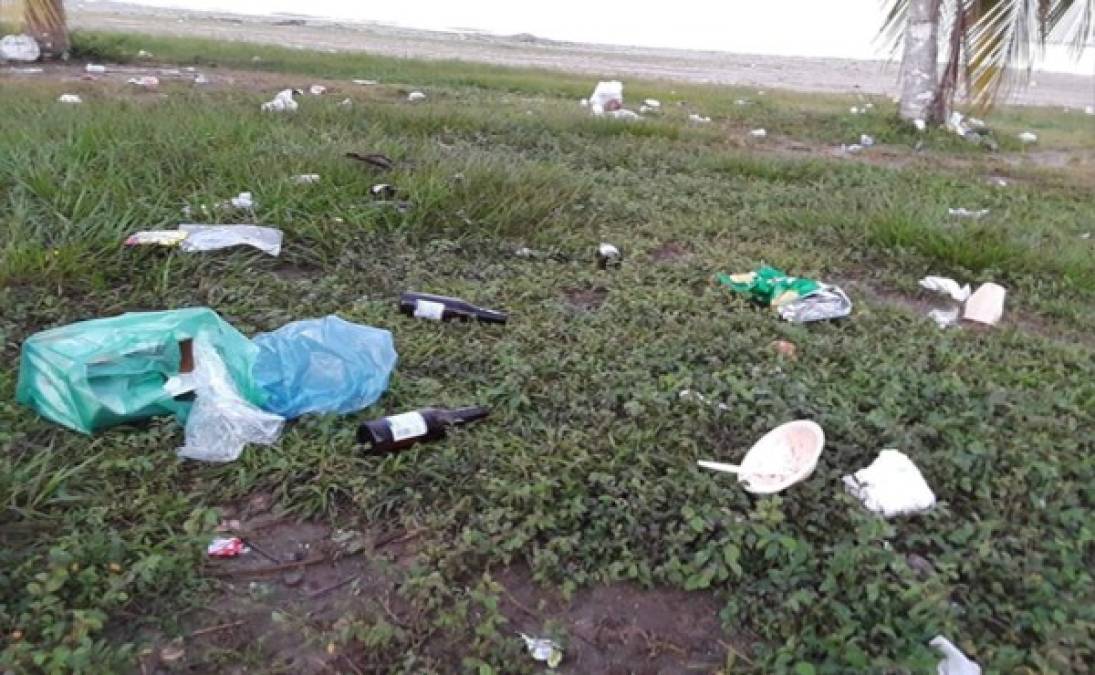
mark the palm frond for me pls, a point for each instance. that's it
(892, 32)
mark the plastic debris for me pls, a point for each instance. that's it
(416, 96)
(759, 133)
(70, 98)
(782, 457)
(698, 119)
(947, 286)
(891, 486)
(306, 178)
(945, 318)
(962, 212)
(608, 255)
(26, 71)
(866, 141)
(956, 124)
(742, 101)
(145, 81)
(221, 422)
(1089, 110)
(326, 365)
(317, 90)
(607, 96)
(225, 547)
(954, 661)
(94, 68)
(19, 48)
(215, 237)
(623, 114)
(652, 103)
(346, 103)
(282, 102)
(143, 54)
(1028, 137)
(156, 238)
(96, 374)
(544, 649)
(853, 149)
(986, 305)
(384, 191)
(366, 83)
(796, 299)
(200, 78)
(244, 200)
(689, 395)
(828, 302)
(920, 125)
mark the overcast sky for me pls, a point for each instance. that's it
(836, 28)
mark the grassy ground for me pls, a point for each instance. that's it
(585, 472)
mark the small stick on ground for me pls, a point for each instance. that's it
(214, 629)
(327, 589)
(271, 569)
(261, 551)
(394, 538)
(736, 653)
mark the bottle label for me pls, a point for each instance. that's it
(427, 309)
(407, 425)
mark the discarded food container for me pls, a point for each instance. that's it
(796, 299)
(326, 365)
(306, 178)
(986, 305)
(94, 68)
(828, 302)
(416, 96)
(444, 308)
(608, 255)
(225, 547)
(544, 650)
(782, 457)
(96, 374)
(216, 237)
(398, 432)
(759, 133)
(1028, 137)
(19, 48)
(954, 661)
(317, 90)
(607, 96)
(891, 486)
(145, 81)
(282, 102)
(70, 98)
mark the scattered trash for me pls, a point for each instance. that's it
(142, 54)
(145, 81)
(1027, 137)
(526, 252)
(856, 110)
(543, 649)
(652, 103)
(759, 133)
(317, 90)
(986, 305)
(100, 373)
(215, 237)
(784, 348)
(689, 395)
(19, 48)
(201, 79)
(282, 102)
(384, 191)
(853, 149)
(156, 238)
(946, 285)
(373, 159)
(956, 124)
(444, 308)
(866, 141)
(70, 98)
(742, 101)
(397, 432)
(783, 457)
(346, 103)
(225, 547)
(891, 486)
(608, 255)
(796, 299)
(624, 114)
(220, 422)
(367, 83)
(699, 119)
(26, 71)
(416, 96)
(93, 68)
(1085, 235)
(920, 125)
(326, 365)
(962, 212)
(244, 201)
(999, 182)
(954, 661)
(306, 178)
(945, 318)
(607, 96)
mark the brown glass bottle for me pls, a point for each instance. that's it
(398, 432)
(442, 308)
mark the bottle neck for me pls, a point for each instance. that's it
(465, 415)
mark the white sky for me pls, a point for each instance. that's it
(834, 28)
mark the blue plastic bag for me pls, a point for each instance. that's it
(323, 366)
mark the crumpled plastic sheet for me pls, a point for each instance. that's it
(607, 96)
(19, 48)
(891, 486)
(829, 302)
(221, 422)
(947, 286)
(215, 237)
(954, 661)
(282, 102)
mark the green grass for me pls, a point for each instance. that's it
(585, 471)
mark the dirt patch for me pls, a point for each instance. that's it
(622, 628)
(586, 299)
(669, 252)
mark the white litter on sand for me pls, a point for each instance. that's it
(891, 486)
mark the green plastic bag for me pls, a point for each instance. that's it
(96, 374)
(770, 286)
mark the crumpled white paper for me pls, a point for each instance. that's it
(282, 102)
(954, 661)
(947, 286)
(891, 486)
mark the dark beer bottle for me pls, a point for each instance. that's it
(441, 308)
(397, 432)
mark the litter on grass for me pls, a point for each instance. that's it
(225, 547)
(759, 133)
(698, 119)
(962, 212)
(244, 200)
(156, 238)
(784, 456)
(282, 102)
(317, 90)
(607, 255)
(145, 81)
(947, 286)
(652, 103)
(346, 103)
(986, 305)
(306, 178)
(544, 650)
(607, 96)
(415, 96)
(796, 299)
(689, 395)
(215, 237)
(201, 79)
(70, 98)
(866, 141)
(366, 83)
(1028, 137)
(94, 68)
(954, 661)
(19, 48)
(891, 486)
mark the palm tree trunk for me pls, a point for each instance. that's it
(919, 65)
(46, 23)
